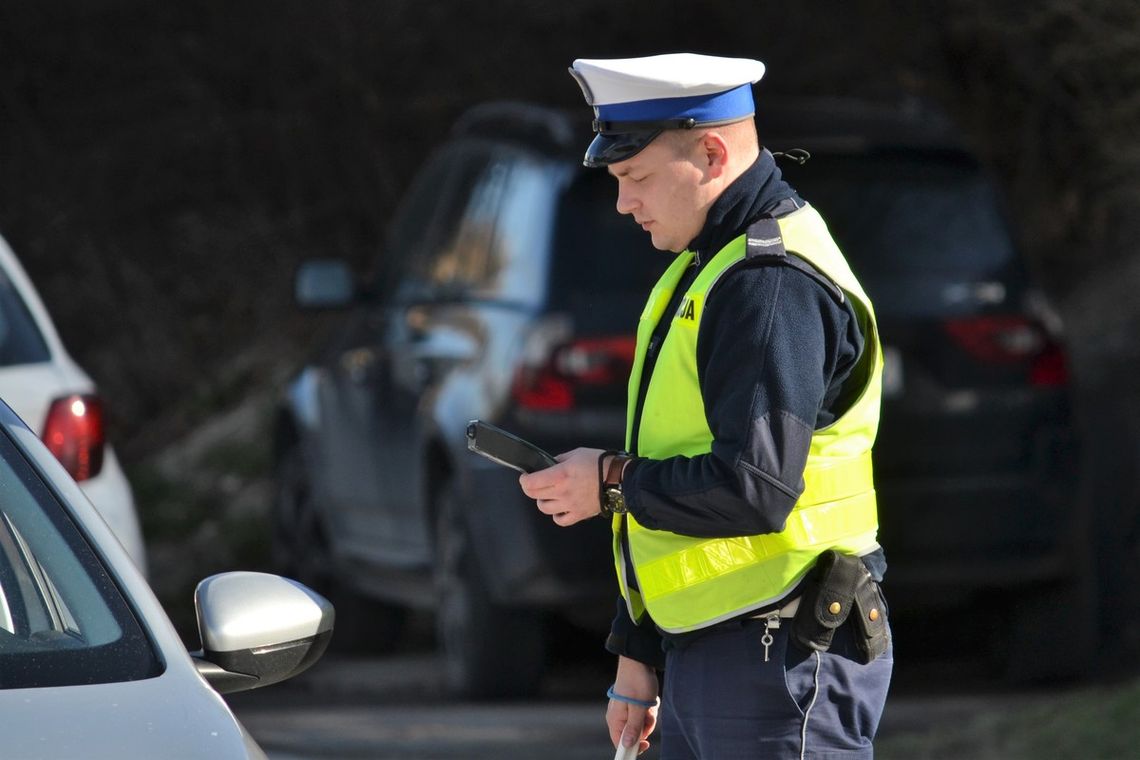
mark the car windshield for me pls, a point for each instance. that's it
(20, 339)
(62, 619)
(924, 232)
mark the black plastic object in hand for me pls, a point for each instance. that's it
(506, 448)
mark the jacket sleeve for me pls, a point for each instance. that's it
(773, 352)
(638, 642)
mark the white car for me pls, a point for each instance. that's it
(57, 400)
(90, 665)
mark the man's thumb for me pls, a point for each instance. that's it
(630, 734)
(627, 747)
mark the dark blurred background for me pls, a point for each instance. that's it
(164, 166)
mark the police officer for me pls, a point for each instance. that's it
(744, 511)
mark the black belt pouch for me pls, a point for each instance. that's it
(838, 585)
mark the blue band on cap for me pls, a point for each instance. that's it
(719, 106)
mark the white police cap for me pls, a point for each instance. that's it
(635, 99)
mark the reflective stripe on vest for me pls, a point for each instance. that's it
(687, 583)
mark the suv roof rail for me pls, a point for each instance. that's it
(533, 125)
(854, 123)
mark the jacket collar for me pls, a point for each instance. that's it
(751, 195)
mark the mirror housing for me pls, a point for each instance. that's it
(258, 629)
(324, 284)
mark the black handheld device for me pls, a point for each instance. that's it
(506, 448)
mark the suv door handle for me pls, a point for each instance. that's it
(446, 344)
(358, 363)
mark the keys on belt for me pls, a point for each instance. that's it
(772, 621)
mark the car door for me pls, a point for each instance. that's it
(355, 396)
(436, 330)
(388, 366)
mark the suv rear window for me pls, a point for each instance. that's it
(20, 339)
(604, 264)
(923, 231)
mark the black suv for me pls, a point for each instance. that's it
(976, 458)
(509, 290)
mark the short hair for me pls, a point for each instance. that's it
(736, 133)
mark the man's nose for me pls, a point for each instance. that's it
(625, 203)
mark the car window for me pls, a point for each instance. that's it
(20, 339)
(412, 225)
(62, 619)
(519, 253)
(919, 229)
(604, 264)
(467, 258)
(430, 235)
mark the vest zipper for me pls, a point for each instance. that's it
(660, 331)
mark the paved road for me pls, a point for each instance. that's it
(393, 707)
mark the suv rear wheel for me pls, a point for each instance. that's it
(489, 650)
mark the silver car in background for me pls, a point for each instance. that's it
(90, 665)
(57, 399)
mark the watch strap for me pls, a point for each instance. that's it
(604, 475)
(616, 469)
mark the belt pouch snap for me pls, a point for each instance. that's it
(828, 596)
(871, 633)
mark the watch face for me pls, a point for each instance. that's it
(615, 500)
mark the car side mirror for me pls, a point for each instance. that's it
(258, 629)
(323, 284)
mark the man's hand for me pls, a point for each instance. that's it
(568, 491)
(632, 724)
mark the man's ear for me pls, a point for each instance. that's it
(714, 151)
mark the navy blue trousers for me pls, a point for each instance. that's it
(722, 701)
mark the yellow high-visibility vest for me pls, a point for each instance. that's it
(685, 582)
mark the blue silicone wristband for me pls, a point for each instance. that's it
(629, 700)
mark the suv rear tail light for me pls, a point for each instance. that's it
(548, 381)
(1012, 340)
(75, 433)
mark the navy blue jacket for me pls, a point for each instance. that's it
(775, 350)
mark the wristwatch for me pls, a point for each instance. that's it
(613, 500)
